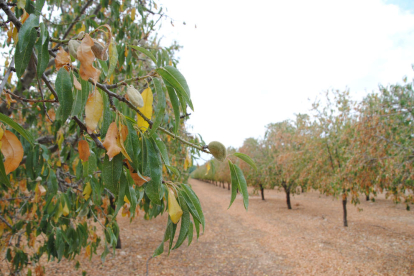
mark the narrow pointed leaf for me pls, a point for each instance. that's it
(176, 106)
(160, 108)
(63, 87)
(26, 135)
(234, 183)
(246, 159)
(144, 51)
(177, 80)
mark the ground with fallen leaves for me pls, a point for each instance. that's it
(269, 239)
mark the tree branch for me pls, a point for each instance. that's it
(93, 136)
(6, 76)
(10, 14)
(4, 220)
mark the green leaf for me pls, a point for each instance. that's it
(132, 144)
(113, 57)
(111, 173)
(122, 189)
(27, 39)
(185, 223)
(160, 108)
(3, 177)
(154, 169)
(26, 135)
(234, 183)
(191, 206)
(177, 80)
(39, 6)
(173, 228)
(197, 227)
(130, 193)
(162, 148)
(174, 170)
(52, 184)
(242, 185)
(24, 52)
(144, 51)
(104, 66)
(176, 106)
(196, 202)
(107, 115)
(246, 159)
(42, 50)
(190, 233)
(63, 85)
(81, 96)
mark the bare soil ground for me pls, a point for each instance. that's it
(269, 239)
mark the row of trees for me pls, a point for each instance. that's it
(341, 148)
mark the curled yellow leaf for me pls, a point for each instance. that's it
(12, 150)
(146, 109)
(93, 111)
(174, 209)
(87, 190)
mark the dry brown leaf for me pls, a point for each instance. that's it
(86, 57)
(139, 181)
(12, 150)
(110, 142)
(93, 111)
(121, 139)
(83, 149)
(52, 114)
(62, 59)
(76, 83)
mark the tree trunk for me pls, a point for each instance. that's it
(288, 199)
(224, 187)
(228, 186)
(367, 197)
(262, 191)
(118, 243)
(344, 200)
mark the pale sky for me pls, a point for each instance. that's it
(249, 63)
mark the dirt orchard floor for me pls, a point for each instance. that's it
(269, 239)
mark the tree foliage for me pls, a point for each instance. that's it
(92, 124)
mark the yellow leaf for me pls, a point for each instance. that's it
(208, 168)
(146, 109)
(83, 149)
(110, 143)
(174, 209)
(126, 199)
(83, 28)
(65, 210)
(93, 111)
(87, 190)
(12, 151)
(133, 14)
(21, 4)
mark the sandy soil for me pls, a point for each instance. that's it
(268, 240)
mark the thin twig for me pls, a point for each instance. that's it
(6, 222)
(11, 16)
(93, 136)
(6, 76)
(148, 263)
(29, 100)
(74, 22)
(41, 94)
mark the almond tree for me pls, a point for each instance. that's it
(92, 111)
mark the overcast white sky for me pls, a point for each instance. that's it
(251, 63)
